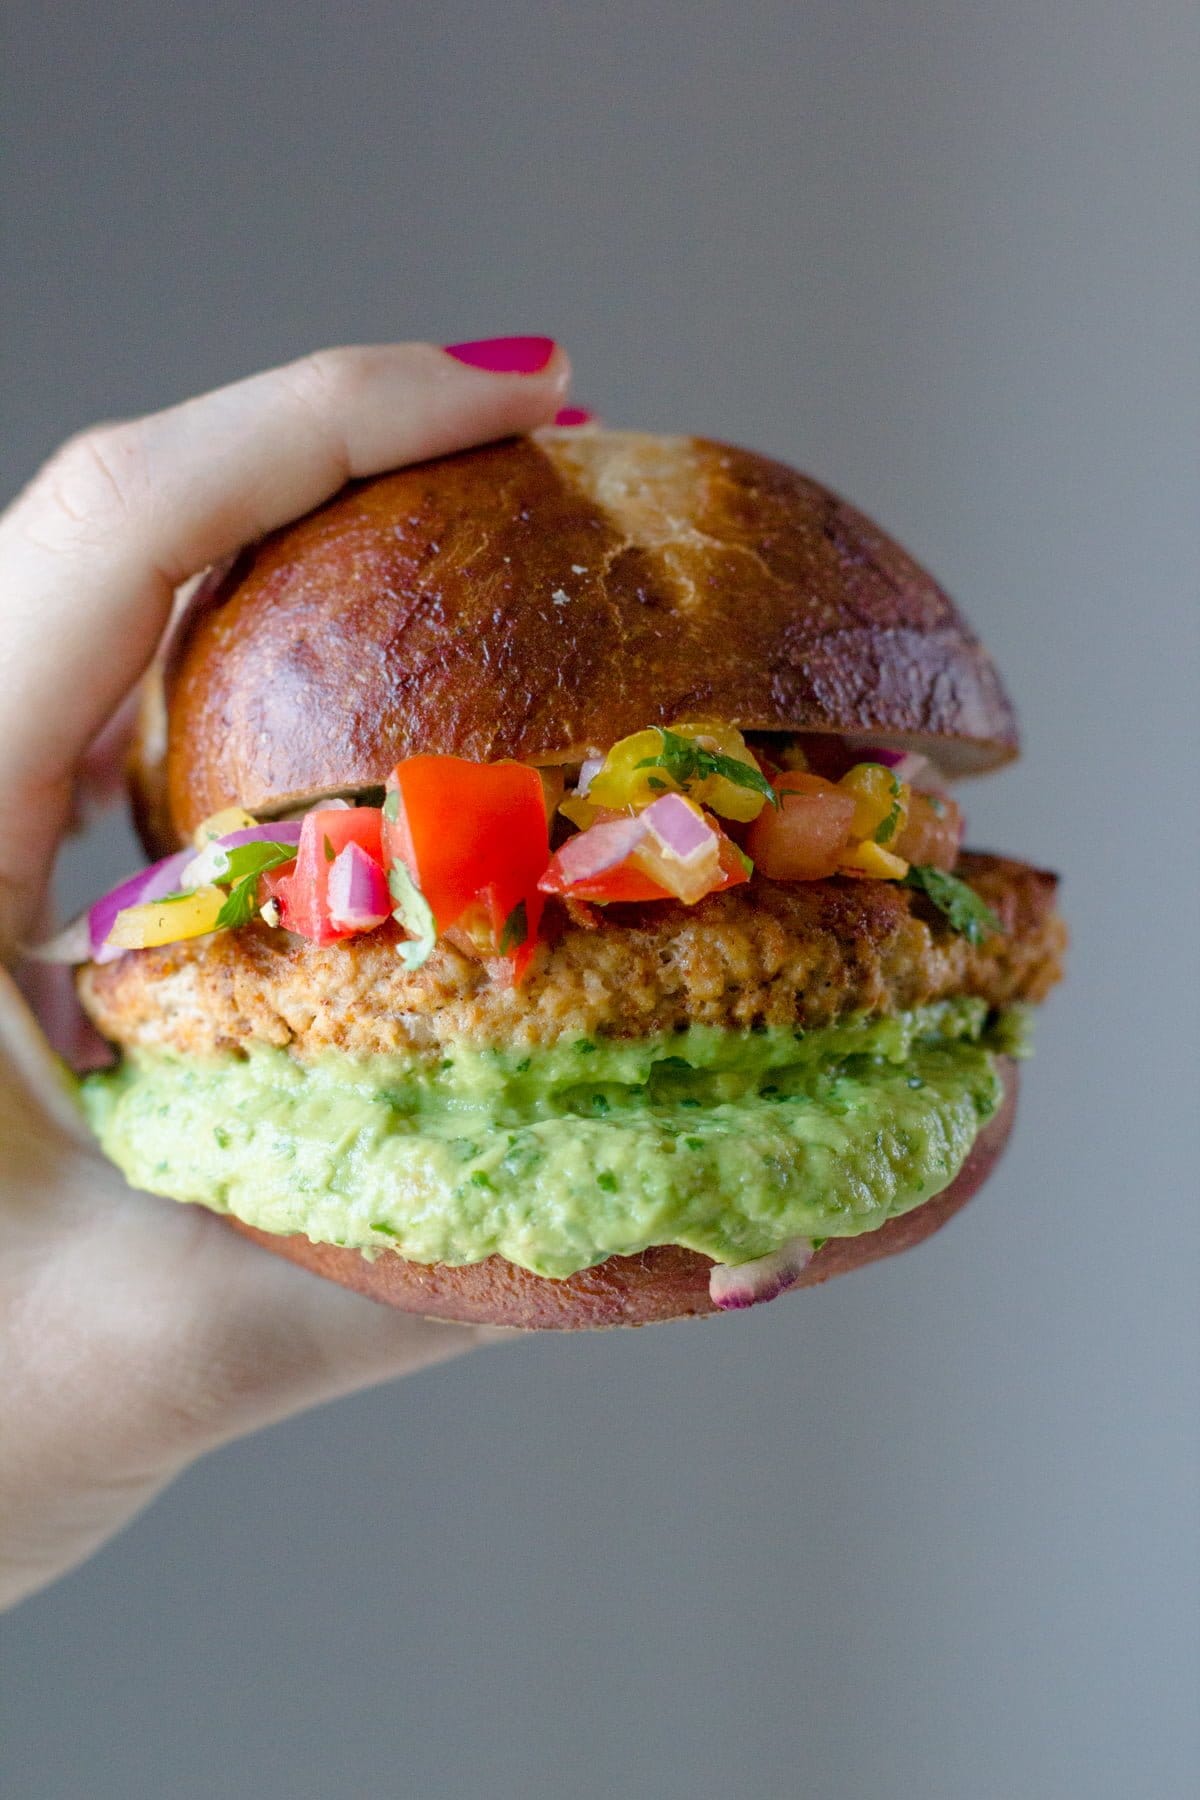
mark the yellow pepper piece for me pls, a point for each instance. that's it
(580, 812)
(877, 797)
(791, 757)
(873, 859)
(622, 785)
(619, 783)
(166, 921)
(220, 824)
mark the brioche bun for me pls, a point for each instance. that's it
(540, 598)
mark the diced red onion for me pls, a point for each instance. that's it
(732, 1286)
(676, 848)
(212, 863)
(679, 831)
(587, 774)
(599, 848)
(358, 891)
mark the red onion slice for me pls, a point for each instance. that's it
(732, 1286)
(84, 939)
(154, 883)
(358, 891)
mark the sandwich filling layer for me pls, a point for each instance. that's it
(727, 1142)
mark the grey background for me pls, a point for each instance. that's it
(930, 1532)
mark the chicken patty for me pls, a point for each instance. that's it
(770, 953)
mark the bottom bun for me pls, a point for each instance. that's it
(662, 1283)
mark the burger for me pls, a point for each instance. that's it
(557, 915)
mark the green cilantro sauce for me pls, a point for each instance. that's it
(725, 1142)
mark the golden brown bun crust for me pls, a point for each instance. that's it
(540, 598)
(661, 1284)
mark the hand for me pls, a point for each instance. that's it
(136, 1334)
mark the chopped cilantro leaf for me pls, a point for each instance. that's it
(413, 911)
(480, 1178)
(686, 762)
(607, 1180)
(238, 909)
(885, 831)
(246, 863)
(963, 908)
(515, 929)
(256, 859)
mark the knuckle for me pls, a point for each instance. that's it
(320, 379)
(97, 480)
(324, 384)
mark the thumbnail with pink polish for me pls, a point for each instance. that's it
(505, 355)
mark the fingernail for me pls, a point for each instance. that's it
(505, 355)
(573, 415)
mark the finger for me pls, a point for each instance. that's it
(93, 549)
(191, 1337)
(36, 1091)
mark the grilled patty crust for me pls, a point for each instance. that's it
(770, 953)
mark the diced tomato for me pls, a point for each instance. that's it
(271, 882)
(302, 887)
(474, 838)
(626, 883)
(932, 832)
(736, 866)
(802, 838)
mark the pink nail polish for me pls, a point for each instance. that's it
(505, 355)
(573, 415)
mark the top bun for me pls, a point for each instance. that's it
(540, 598)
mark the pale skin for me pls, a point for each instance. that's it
(136, 1334)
